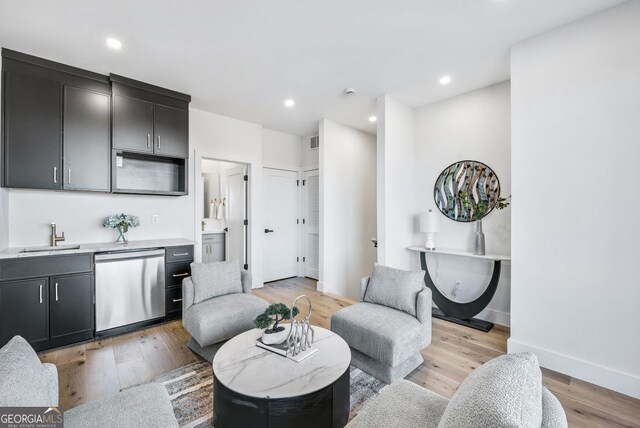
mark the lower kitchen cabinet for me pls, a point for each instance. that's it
(70, 307)
(24, 310)
(177, 267)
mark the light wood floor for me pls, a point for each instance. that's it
(91, 371)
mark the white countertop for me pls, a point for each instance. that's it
(461, 253)
(245, 368)
(100, 247)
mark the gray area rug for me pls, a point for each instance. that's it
(191, 391)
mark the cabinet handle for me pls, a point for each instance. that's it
(40, 293)
(55, 174)
(177, 275)
(158, 142)
(180, 254)
(148, 140)
(56, 291)
(176, 300)
(69, 176)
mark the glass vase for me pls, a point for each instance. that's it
(122, 234)
(478, 240)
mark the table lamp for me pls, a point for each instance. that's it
(430, 224)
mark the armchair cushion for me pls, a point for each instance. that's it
(215, 279)
(24, 380)
(395, 288)
(504, 392)
(142, 406)
(223, 317)
(384, 334)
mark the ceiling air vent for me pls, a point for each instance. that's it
(314, 142)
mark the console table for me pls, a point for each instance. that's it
(462, 313)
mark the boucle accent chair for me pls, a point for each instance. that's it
(25, 381)
(504, 392)
(391, 325)
(217, 305)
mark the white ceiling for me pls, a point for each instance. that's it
(244, 58)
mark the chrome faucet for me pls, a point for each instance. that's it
(54, 237)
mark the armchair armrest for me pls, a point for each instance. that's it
(245, 277)
(188, 293)
(364, 283)
(423, 306)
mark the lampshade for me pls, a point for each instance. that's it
(429, 222)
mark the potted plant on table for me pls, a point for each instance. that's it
(122, 223)
(270, 319)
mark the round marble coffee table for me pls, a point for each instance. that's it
(254, 387)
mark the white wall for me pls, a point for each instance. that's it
(281, 151)
(471, 126)
(310, 157)
(80, 216)
(575, 118)
(219, 137)
(395, 183)
(347, 207)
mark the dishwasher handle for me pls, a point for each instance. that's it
(123, 255)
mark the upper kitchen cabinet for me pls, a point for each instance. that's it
(149, 119)
(56, 126)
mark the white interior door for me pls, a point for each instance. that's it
(280, 228)
(311, 223)
(236, 213)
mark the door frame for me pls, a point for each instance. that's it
(199, 206)
(298, 213)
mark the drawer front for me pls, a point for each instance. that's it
(173, 299)
(176, 272)
(213, 237)
(31, 267)
(179, 254)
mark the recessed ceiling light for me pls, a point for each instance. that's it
(289, 103)
(114, 43)
(445, 80)
(372, 119)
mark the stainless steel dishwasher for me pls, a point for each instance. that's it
(129, 287)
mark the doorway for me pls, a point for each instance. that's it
(225, 212)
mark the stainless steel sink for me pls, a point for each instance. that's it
(50, 249)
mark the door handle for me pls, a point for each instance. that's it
(178, 275)
(148, 140)
(40, 293)
(176, 300)
(56, 291)
(158, 142)
(55, 174)
(69, 176)
(268, 231)
(180, 254)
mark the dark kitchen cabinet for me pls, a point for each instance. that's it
(171, 131)
(71, 303)
(177, 267)
(132, 124)
(47, 300)
(32, 132)
(87, 140)
(24, 310)
(56, 125)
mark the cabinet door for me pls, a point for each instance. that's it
(71, 305)
(172, 131)
(132, 124)
(217, 252)
(87, 140)
(24, 310)
(32, 137)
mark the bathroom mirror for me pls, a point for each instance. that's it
(466, 191)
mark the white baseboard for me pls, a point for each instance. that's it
(320, 286)
(615, 380)
(257, 284)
